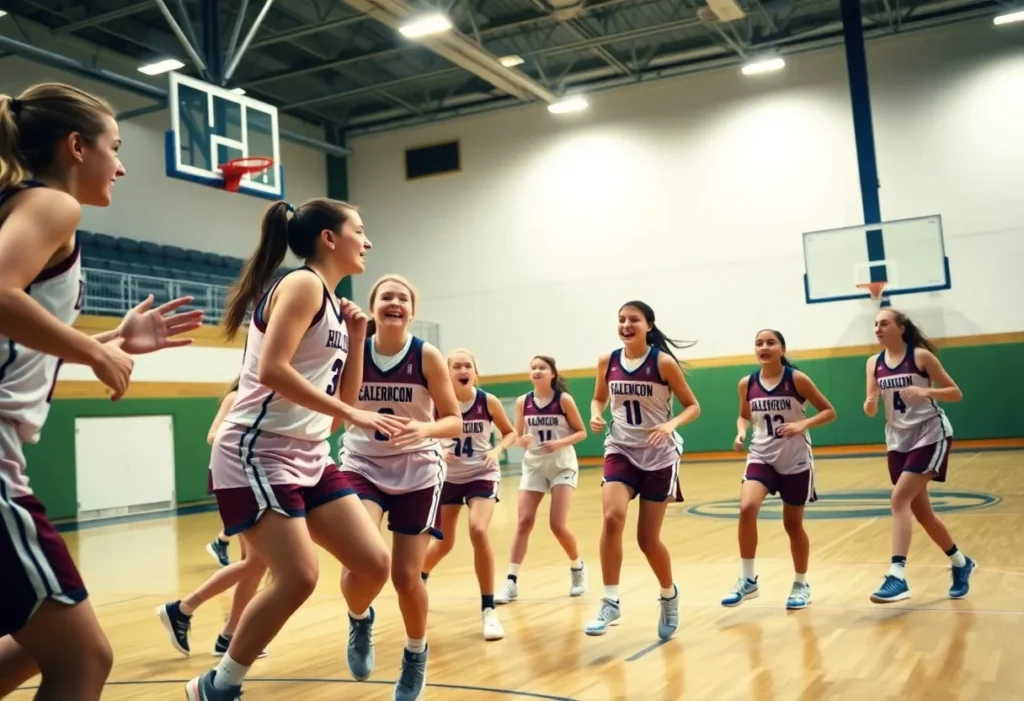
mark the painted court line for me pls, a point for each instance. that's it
(650, 648)
(818, 551)
(255, 680)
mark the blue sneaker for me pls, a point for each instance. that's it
(608, 615)
(177, 625)
(744, 589)
(892, 589)
(668, 621)
(799, 596)
(218, 550)
(412, 680)
(223, 642)
(360, 646)
(201, 689)
(961, 580)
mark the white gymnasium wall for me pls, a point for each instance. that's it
(692, 194)
(148, 205)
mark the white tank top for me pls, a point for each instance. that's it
(545, 423)
(28, 377)
(470, 446)
(909, 426)
(319, 357)
(399, 390)
(769, 409)
(640, 400)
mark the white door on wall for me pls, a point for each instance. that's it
(515, 453)
(124, 465)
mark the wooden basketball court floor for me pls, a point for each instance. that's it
(841, 647)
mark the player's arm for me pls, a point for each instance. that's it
(743, 420)
(294, 304)
(871, 401)
(673, 374)
(222, 412)
(575, 421)
(947, 390)
(439, 382)
(523, 439)
(806, 387)
(42, 221)
(600, 400)
(501, 422)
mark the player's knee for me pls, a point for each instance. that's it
(477, 534)
(648, 540)
(86, 666)
(376, 565)
(749, 510)
(560, 529)
(405, 578)
(526, 522)
(298, 582)
(614, 521)
(793, 526)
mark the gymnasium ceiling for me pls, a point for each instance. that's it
(343, 62)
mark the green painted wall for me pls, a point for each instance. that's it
(988, 375)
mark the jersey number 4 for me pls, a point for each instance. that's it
(897, 403)
(464, 448)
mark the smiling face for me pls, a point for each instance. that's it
(349, 245)
(462, 369)
(393, 306)
(768, 348)
(633, 326)
(888, 331)
(97, 163)
(541, 374)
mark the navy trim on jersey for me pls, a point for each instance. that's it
(12, 355)
(9, 192)
(246, 455)
(257, 313)
(415, 346)
(487, 409)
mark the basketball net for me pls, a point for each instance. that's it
(877, 290)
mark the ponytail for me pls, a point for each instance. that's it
(558, 382)
(284, 227)
(656, 337)
(12, 168)
(912, 335)
(260, 267)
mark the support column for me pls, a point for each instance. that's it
(211, 41)
(337, 189)
(863, 130)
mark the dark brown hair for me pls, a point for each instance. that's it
(912, 335)
(284, 227)
(782, 342)
(558, 382)
(36, 121)
(656, 337)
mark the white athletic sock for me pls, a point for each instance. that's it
(898, 570)
(415, 645)
(577, 564)
(360, 616)
(229, 673)
(800, 578)
(957, 559)
(748, 568)
(611, 592)
(513, 569)
(669, 593)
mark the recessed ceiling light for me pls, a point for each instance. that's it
(765, 66)
(238, 91)
(158, 67)
(511, 61)
(426, 26)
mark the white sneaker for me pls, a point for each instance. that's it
(509, 592)
(492, 626)
(579, 581)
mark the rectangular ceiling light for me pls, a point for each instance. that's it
(571, 104)
(766, 66)
(165, 66)
(238, 91)
(1009, 18)
(2, 13)
(511, 61)
(426, 26)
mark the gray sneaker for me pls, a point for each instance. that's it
(360, 646)
(413, 678)
(201, 689)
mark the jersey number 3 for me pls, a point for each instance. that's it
(332, 389)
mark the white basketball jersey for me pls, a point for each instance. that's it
(28, 377)
(907, 425)
(545, 423)
(400, 390)
(469, 447)
(320, 358)
(770, 409)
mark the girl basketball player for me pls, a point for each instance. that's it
(218, 547)
(472, 479)
(58, 151)
(779, 459)
(548, 424)
(403, 377)
(918, 436)
(245, 575)
(641, 454)
(272, 473)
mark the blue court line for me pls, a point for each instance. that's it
(379, 682)
(650, 648)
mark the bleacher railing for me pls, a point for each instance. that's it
(109, 293)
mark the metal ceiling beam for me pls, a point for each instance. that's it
(95, 20)
(306, 31)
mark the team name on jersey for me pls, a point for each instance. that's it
(472, 426)
(780, 404)
(388, 394)
(541, 420)
(632, 389)
(337, 339)
(898, 382)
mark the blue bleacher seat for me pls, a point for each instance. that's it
(119, 266)
(174, 253)
(85, 238)
(162, 272)
(151, 249)
(104, 241)
(139, 269)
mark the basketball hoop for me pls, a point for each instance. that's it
(238, 168)
(877, 290)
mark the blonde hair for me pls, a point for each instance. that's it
(36, 121)
(472, 358)
(371, 327)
